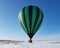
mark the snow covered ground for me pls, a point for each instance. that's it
(26, 44)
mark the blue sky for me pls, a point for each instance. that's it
(10, 28)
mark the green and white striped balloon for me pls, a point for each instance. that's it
(30, 18)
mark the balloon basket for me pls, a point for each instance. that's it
(30, 41)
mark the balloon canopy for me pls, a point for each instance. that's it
(30, 18)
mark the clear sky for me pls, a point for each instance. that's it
(10, 28)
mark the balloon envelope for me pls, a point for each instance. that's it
(30, 18)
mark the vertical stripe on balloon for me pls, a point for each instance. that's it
(27, 18)
(33, 17)
(37, 17)
(20, 17)
(30, 17)
(24, 19)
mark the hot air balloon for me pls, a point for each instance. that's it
(30, 18)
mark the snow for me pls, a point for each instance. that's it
(26, 44)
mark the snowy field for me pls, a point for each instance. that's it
(26, 44)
